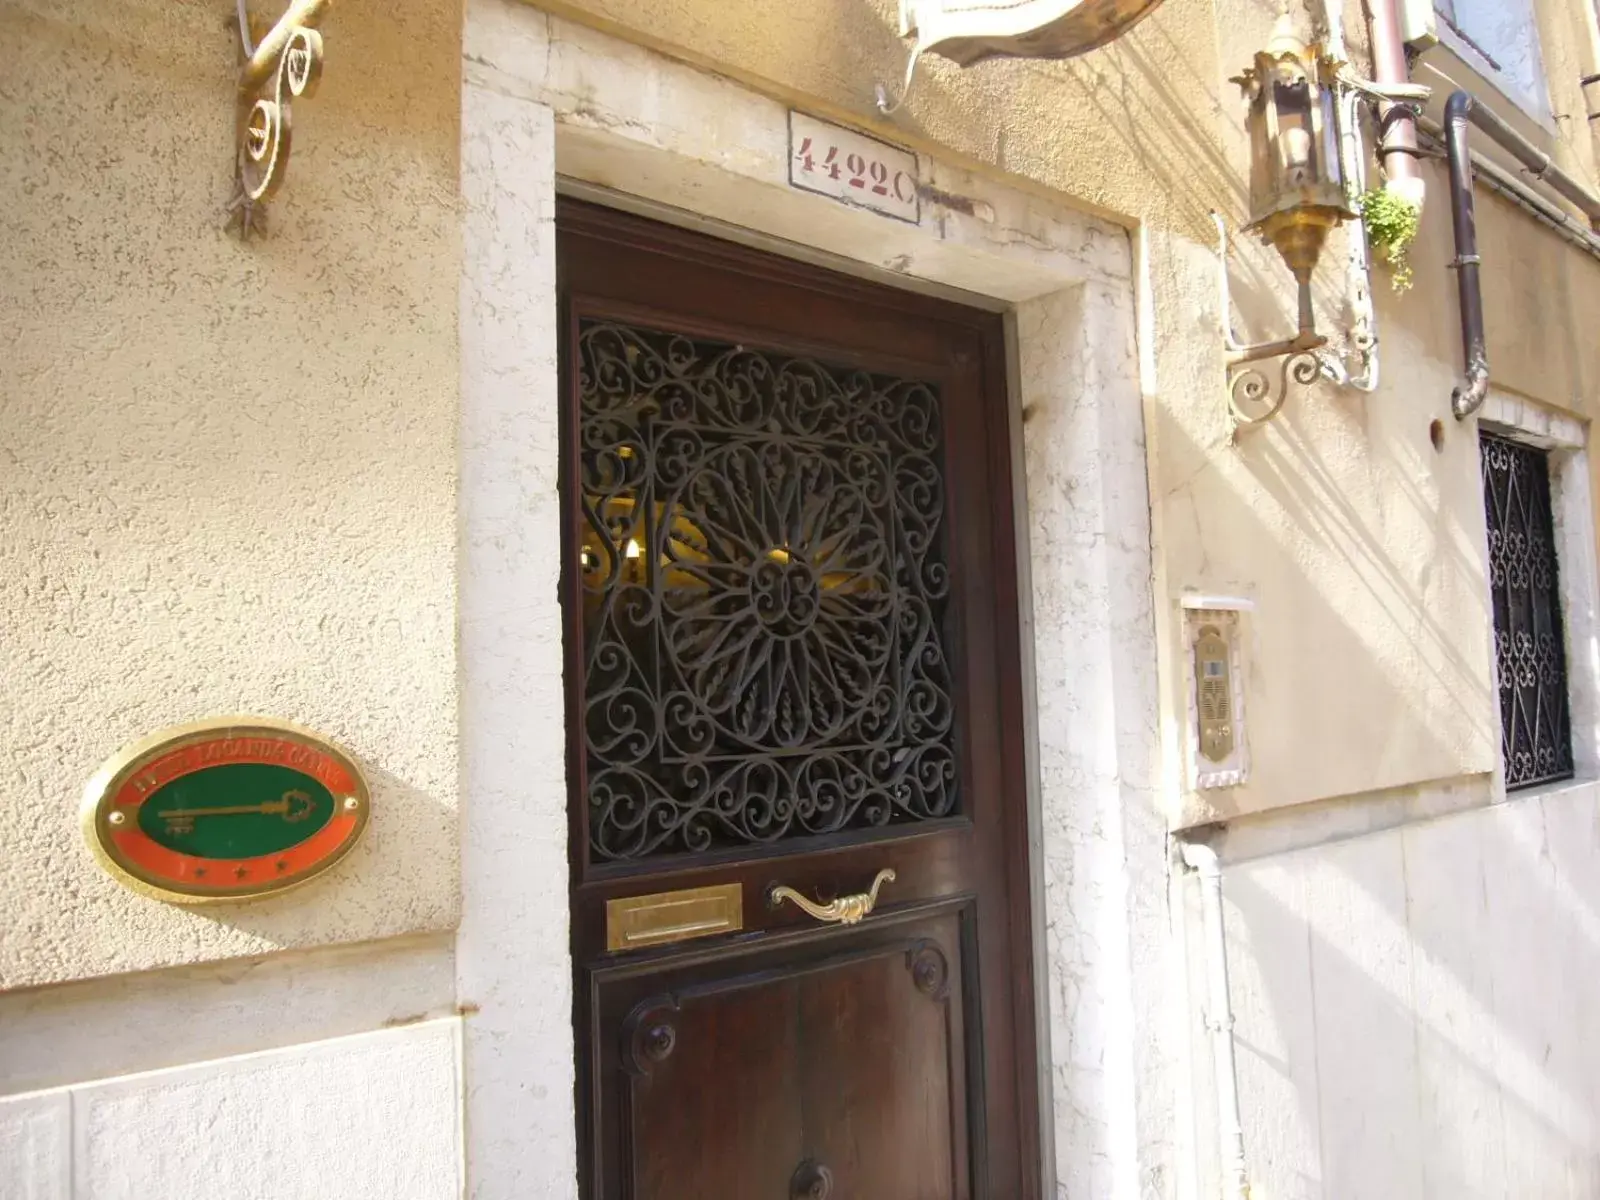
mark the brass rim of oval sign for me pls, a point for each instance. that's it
(103, 787)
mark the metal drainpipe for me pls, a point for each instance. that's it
(1202, 859)
(1458, 111)
(1501, 181)
(1537, 162)
(1398, 141)
(1466, 399)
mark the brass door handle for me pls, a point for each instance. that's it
(846, 910)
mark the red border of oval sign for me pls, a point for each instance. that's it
(115, 799)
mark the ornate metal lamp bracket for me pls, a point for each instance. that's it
(284, 66)
(1252, 384)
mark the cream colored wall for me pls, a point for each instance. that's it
(1362, 545)
(227, 471)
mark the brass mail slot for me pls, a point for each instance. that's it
(655, 920)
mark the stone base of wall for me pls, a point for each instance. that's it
(371, 1117)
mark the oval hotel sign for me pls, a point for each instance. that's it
(224, 810)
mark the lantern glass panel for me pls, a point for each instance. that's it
(1263, 157)
(1297, 140)
(1332, 163)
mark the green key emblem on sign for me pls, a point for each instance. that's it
(225, 810)
(200, 813)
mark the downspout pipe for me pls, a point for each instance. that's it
(1202, 860)
(1511, 187)
(1537, 162)
(1468, 397)
(1397, 143)
(1460, 110)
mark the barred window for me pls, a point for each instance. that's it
(1529, 643)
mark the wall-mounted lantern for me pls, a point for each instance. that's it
(969, 31)
(1297, 195)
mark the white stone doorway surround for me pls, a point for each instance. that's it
(548, 106)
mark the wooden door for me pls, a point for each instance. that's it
(792, 659)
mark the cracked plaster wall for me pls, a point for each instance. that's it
(1103, 850)
(227, 475)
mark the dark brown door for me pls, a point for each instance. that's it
(792, 662)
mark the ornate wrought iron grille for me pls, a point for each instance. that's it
(765, 583)
(1529, 648)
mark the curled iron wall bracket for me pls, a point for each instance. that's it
(284, 66)
(1254, 397)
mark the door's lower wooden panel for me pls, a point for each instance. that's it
(837, 1070)
(876, 1074)
(720, 1113)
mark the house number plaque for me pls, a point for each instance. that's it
(850, 167)
(224, 810)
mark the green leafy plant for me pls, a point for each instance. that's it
(1391, 223)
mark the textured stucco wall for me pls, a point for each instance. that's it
(227, 472)
(1129, 129)
(1369, 654)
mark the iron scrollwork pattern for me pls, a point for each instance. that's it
(765, 583)
(285, 66)
(1529, 644)
(1250, 388)
(264, 143)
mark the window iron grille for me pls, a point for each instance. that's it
(1529, 643)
